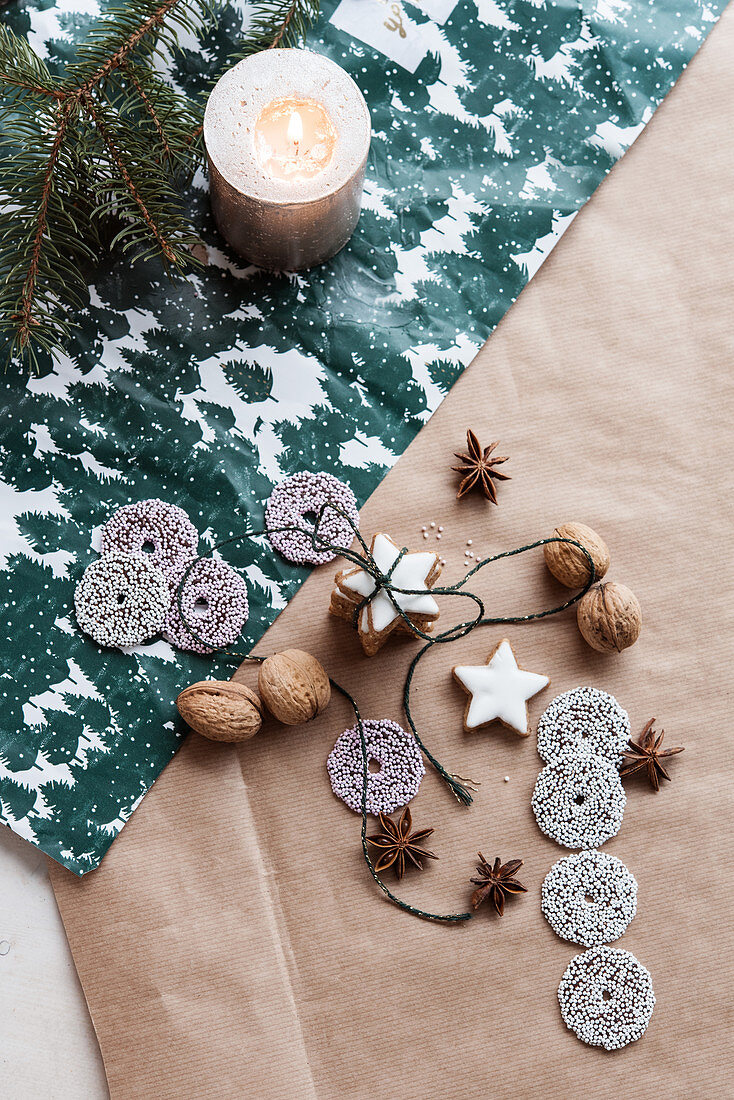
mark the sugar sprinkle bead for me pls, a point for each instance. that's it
(440, 528)
(304, 494)
(584, 719)
(121, 599)
(433, 524)
(214, 603)
(469, 542)
(400, 762)
(589, 898)
(606, 997)
(158, 530)
(579, 800)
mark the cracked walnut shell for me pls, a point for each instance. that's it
(293, 686)
(221, 710)
(567, 563)
(610, 617)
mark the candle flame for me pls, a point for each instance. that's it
(295, 128)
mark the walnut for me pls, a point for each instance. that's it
(294, 686)
(567, 563)
(610, 617)
(221, 710)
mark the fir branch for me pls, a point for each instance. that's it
(96, 115)
(134, 28)
(24, 319)
(22, 70)
(100, 154)
(168, 116)
(45, 239)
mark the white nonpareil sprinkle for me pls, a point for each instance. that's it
(121, 599)
(579, 800)
(584, 719)
(606, 997)
(400, 763)
(589, 898)
(302, 495)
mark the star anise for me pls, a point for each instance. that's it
(647, 753)
(496, 883)
(478, 469)
(396, 843)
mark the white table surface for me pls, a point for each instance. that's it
(48, 1049)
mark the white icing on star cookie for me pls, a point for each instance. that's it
(499, 690)
(411, 573)
(414, 572)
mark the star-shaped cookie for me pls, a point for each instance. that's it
(498, 690)
(416, 572)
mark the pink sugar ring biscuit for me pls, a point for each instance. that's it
(160, 531)
(213, 599)
(121, 600)
(296, 502)
(395, 754)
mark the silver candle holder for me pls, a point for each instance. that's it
(287, 134)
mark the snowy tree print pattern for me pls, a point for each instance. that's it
(493, 123)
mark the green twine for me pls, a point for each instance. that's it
(451, 918)
(459, 787)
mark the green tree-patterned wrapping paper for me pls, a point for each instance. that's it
(493, 123)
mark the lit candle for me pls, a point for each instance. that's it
(287, 134)
(294, 139)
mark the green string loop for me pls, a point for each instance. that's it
(459, 787)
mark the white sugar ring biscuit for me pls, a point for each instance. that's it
(121, 600)
(579, 800)
(606, 997)
(584, 719)
(589, 898)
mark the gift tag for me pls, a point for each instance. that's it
(386, 26)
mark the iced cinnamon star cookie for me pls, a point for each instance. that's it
(498, 690)
(416, 573)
